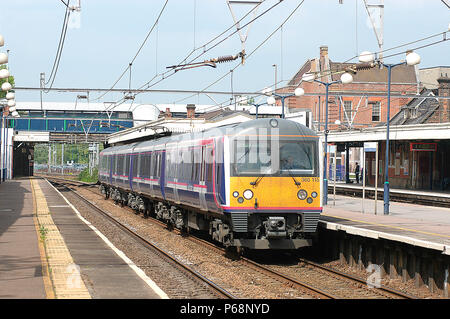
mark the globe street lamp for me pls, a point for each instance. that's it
(271, 99)
(3, 58)
(4, 73)
(412, 58)
(346, 78)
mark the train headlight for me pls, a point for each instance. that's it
(248, 194)
(314, 194)
(273, 123)
(235, 194)
(302, 194)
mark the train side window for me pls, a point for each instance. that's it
(217, 173)
(187, 157)
(196, 163)
(155, 164)
(135, 164)
(169, 165)
(158, 167)
(202, 165)
(209, 164)
(120, 165)
(139, 160)
(127, 164)
(152, 163)
(145, 168)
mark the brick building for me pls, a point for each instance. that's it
(352, 111)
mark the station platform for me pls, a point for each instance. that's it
(417, 225)
(419, 196)
(47, 250)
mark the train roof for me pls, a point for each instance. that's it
(265, 126)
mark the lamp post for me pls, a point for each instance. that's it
(271, 99)
(412, 58)
(245, 101)
(257, 107)
(276, 71)
(346, 78)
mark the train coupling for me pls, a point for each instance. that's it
(275, 227)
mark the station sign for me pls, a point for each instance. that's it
(423, 147)
(370, 146)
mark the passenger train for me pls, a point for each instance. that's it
(249, 185)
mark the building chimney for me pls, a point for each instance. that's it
(444, 90)
(323, 61)
(323, 51)
(190, 109)
(168, 114)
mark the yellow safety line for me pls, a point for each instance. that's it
(387, 226)
(48, 286)
(64, 273)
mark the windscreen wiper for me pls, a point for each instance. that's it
(256, 181)
(297, 183)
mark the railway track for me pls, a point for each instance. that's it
(320, 274)
(201, 281)
(314, 279)
(382, 290)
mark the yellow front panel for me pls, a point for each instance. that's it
(275, 192)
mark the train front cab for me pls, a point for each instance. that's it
(274, 195)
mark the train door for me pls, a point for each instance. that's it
(145, 171)
(110, 168)
(209, 177)
(151, 171)
(178, 169)
(202, 182)
(157, 169)
(170, 172)
(128, 173)
(132, 172)
(115, 169)
(162, 172)
(136, 170)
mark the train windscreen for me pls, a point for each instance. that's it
(277, 158)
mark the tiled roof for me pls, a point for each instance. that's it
(400, 74)
(417, 111)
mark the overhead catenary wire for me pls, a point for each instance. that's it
(332, 72)
(59, 50)
(252, 52)
(163, 75)
(355, 56)
(137, 53)
(167, 74)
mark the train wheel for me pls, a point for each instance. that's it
(234, 252)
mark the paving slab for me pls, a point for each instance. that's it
(21, 272)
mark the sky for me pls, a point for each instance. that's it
(105, 36)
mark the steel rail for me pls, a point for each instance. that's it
(357, 279)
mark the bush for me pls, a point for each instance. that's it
(84, 176)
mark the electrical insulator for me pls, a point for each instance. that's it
(364, 66)
(223, 59)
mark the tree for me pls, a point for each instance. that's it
(10, 80)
